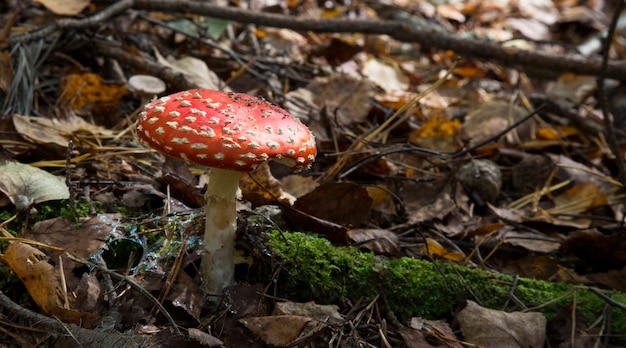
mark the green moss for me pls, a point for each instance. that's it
(316, 270)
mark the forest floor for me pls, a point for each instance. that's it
(468, 188)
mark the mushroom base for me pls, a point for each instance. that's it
(218, 258)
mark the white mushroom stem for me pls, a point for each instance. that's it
(218, 258)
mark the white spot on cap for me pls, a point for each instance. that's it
(291, 152)
(207, 132)
(163, 100)
(160, 131)
(174, 113)
(168, 148)
(241, 138)
(186, 93)
(268, 129)
(184, 103)
(219, 156)
(272, 144)
(185, 129)
(249, 155)
(228, 131)
(240, 163)
(266, 113)
(159, 109)
(300, 160)
(180, 141)
(172, 124)
(214, 120)
(197, 96)
(264, 156)
(214, 105)
(199, 146)
(190, 119)
(197, 112)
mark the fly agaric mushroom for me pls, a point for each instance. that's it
(231, 133)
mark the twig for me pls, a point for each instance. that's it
(609, 125)
(71, 23)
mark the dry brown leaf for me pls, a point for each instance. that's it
(196, 71)
(343, 203)
(311, 309)
(32, 267)
(58, 131)
(384, 76)
(345, 98)
(278, 330)
(492, 118)
(42, 282)
(83, 240)
(434, 249)
(298, 185)
(65, 7)
(261, 188)
(493, 328)
(186, 294)
(377, 240)
(544, 243)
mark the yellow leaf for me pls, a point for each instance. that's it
(434, 249)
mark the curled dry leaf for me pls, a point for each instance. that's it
(65, 7)
(196, 71)
(58, 131)
(492, 118)
(25, 185)
(42, 282)
(282, 330)
(492, 328)
(377, 240)
(309, 309)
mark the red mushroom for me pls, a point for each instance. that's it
(231, 133)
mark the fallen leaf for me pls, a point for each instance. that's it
(343, 203)
(310, 309)
(41, 280)
(377, 240)
(384, 75)
(434, 249)
(196, 71)
(494, 328)
(58, 131)
(25, 185)
(65, 7)
(492, 118)
(277, 330)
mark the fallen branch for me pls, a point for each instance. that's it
(403, 30)
(426, 36)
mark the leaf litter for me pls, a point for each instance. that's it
(405, 169)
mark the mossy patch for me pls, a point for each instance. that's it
(314, 269)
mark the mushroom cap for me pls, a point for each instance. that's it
(225, 130)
